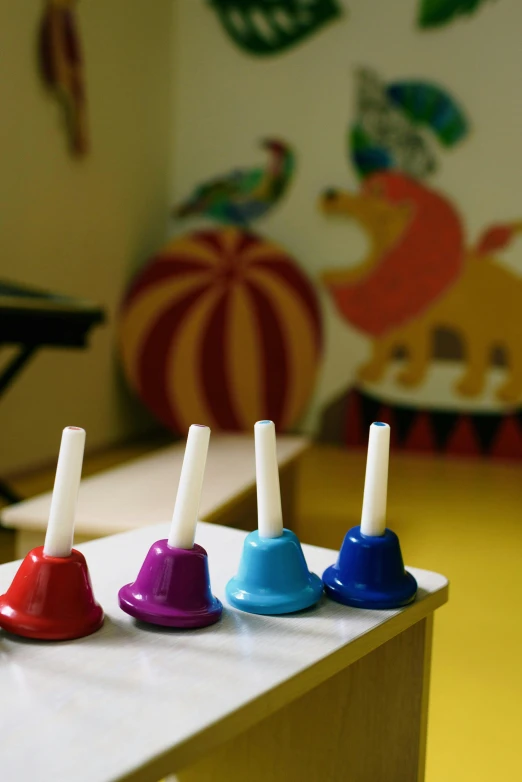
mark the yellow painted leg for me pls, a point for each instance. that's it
(374, 369)
(511, 390)
(417, 341)
(477, 358)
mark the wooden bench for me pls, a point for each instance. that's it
(142, 492)
(332, 693)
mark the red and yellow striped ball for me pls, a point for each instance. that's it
(222, 328)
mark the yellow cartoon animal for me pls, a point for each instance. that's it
(418, 278)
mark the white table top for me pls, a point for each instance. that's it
(142, 492)
(107, 706)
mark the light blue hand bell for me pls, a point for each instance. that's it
(273, 577)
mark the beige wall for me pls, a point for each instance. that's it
(80, 227)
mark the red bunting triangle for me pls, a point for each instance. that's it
(463, 441)
(508, 443)
(420, 437)
(353, 435)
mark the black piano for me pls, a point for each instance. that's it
(34, 319)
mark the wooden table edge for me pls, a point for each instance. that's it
(188, 752)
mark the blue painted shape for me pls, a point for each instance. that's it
(369, 572)
(273, 577)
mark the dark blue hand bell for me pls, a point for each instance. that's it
(369, 572)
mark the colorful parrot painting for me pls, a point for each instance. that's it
(61, 64)
(268, 27)
(245, 195)
(398, 124)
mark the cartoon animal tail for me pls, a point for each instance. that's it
(497, 237)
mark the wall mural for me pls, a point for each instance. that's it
(435, 13)
(423, 293)
(245, 194)
(420, 277)
(400, 124)
(227, 310)
(61, 64)
(267, 27)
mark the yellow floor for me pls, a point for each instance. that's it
(463, 519)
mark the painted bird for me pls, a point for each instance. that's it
(244, 195)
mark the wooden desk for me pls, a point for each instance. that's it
(143, 492)
(333, 693)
